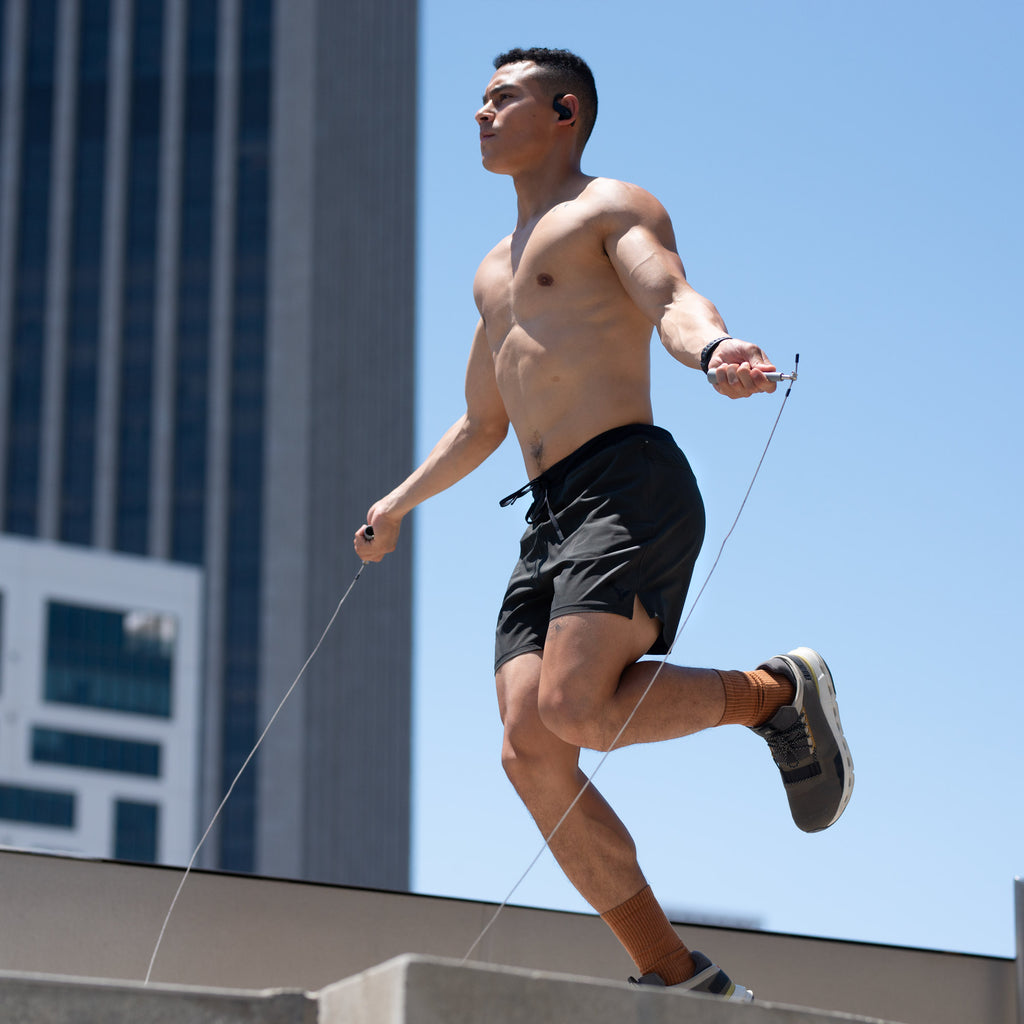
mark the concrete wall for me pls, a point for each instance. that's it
(101, 920)
(406, 990)
(426, 990)
(44, 999)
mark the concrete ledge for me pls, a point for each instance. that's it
(430, 990)
(406, 990)
(69, 918)
(46, 999)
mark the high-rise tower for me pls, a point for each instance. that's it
(207, 215)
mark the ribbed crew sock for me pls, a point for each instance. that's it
(751, 698)
(642, 927)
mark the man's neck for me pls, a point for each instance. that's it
(544, 187)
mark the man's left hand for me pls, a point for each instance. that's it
(741, 367)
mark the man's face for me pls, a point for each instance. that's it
(516, 120)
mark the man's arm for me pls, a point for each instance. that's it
(641, 246)
(466, 443)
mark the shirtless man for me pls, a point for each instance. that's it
(562, 352)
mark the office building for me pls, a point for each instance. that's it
(99, 702)
(206, 355)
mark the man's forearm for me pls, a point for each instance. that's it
(689, 323)
(462, 448)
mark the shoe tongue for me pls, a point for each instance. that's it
(783, 719)
(649, 979)
(779, 665)
(700, 961)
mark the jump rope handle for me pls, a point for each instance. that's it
(773, 376)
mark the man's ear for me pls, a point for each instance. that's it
(567, 106)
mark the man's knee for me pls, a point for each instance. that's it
(573, 720)
(528, 759)
(518, 768)
(525, 739)
(532, 755)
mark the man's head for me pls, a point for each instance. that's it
(561, 73)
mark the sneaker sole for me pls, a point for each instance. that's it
(739, 994)
(820, 673)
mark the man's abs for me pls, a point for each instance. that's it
(561, 394)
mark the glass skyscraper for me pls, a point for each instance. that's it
(207, 217)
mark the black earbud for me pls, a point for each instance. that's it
(564, 113)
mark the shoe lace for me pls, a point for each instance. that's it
(792, 745)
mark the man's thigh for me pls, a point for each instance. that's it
(517, 682)
(586, 654)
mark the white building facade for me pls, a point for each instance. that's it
(100, 659)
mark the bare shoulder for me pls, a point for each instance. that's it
(623, 210)
(622, 200)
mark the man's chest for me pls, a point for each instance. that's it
(550, 267)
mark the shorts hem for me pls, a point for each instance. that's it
(529, 648)
(594, 606)
(662, 642)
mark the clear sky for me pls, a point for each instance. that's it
(845, 182)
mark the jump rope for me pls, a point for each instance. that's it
(368, 533)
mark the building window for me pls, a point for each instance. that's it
(139, 297)
(37, 806)
(81, 371)
(25, 374)
(54, 746)
(247, 449)
(121, 661)
(192, 369)
(136, 828)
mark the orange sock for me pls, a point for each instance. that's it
(751, 698)
(642, 927)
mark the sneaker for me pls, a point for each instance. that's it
(710, 980)
(807, 743)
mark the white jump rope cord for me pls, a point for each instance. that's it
(245, 764)
(647, 689)
(583, 788)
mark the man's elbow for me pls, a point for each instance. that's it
(488, 431)
(496, 431)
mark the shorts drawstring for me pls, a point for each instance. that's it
(511, 499)
(555, 476)
(554, 520)
(540, 499)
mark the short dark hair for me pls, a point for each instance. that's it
(565, 72)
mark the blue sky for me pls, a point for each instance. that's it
(844, 180)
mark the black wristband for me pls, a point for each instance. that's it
(709, 350)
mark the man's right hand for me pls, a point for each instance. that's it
(384, 539)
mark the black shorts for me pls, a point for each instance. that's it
(619, 518)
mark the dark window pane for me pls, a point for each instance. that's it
(37, 806)
(80, 373)
(136, 831)
(117, 660)
(54, 746)
(188, 520)
(241, 670)
(139, 298)
(25, 380)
